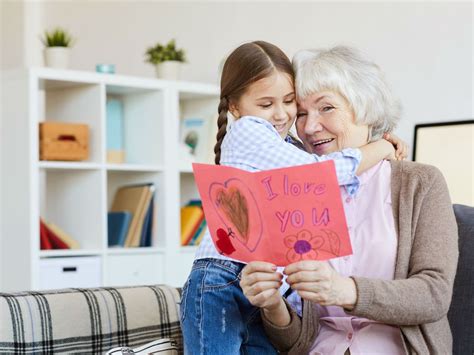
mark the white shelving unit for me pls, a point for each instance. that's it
(77, 195)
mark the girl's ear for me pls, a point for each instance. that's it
(234, 110)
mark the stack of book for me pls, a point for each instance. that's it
(193, 223)
(53, 237)
(130, 220)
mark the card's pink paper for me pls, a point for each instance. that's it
(280, 216)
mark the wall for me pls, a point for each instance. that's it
(424, 47)
(20, 24)
(11, 54)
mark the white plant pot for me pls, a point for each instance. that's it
(56, 57)
(169, 70)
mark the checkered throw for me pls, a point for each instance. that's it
(88, 320)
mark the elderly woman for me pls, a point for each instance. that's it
(392, 295)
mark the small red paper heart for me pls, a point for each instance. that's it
(223, 242)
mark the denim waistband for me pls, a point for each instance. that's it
(232, 265)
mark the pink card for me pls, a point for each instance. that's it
(280, 215)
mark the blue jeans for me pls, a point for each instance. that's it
(216, 317)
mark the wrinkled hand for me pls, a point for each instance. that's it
(318, 282)
(401, 148)
(260, 283)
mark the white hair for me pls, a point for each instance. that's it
(343, 70)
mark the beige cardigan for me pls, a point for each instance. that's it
(418, 298)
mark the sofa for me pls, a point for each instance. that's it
(96, 320)
(461, 312)
(88, 321)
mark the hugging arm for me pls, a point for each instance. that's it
(255, 145)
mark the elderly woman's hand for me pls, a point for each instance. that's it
(318, 282)
(401, 148)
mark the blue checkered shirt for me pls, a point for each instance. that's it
(253, 144)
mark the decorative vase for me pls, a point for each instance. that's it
(169, 70)
(57, 57)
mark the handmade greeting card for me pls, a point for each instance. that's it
(280, 216)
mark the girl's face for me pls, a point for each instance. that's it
(271, 98)
(326, 124)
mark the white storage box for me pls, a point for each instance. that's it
(131, 270)
(70, 272)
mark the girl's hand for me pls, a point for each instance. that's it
(401, 148)
(318, 282)
(260, 283)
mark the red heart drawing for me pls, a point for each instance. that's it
(237, 208)
(223, 243)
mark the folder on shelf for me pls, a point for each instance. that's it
(195, 230)
(45, 244)
(201, 235)
(61, 234)
(191, 218)
(54, 240)
(198, 233)
(118, 224)
(195, 203)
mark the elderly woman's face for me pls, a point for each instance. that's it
(326, 124)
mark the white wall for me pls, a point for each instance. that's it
(20, 23)
(11, 54)
(426, 48)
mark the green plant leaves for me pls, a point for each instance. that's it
(57, 38)
(162, 53)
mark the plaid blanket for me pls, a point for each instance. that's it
(88, 320)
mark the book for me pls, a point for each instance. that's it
(198, 233)
(195, 203)
(192, 238)
(66, 238)
(133, 199)
(145, 240)
(143, 214)
(118, 224)
(191, 218)
(194, 231)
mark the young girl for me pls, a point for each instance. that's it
(256, 111)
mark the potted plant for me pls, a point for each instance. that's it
(57, 47)
(167, 59)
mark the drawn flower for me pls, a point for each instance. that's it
(303, 246)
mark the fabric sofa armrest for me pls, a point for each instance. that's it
(88, 320)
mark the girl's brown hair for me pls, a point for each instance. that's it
(247, 64)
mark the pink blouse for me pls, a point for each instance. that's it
(374, 243)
